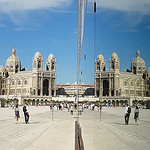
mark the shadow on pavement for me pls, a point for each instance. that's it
(118, 123)
(29, 123)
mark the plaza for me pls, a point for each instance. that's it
(44, 132)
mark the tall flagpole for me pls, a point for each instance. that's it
(78, 54)
(82, 5)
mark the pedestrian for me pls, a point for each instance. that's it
(98, 107)
(127, 114)
(71, 109)
(75, 107)
(136, 115)
(17, 113)
(51, 107)
(26, 113)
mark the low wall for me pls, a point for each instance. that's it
(73, 99)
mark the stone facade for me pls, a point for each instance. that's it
(31, 83)
(115, 83)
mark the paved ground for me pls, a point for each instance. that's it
(42, 133)
(112, 134)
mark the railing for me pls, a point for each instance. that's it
(78, 137)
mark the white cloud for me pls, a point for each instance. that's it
(23, 5)
(141, 6)
(127, 30)
(21, 11)
(132, 12)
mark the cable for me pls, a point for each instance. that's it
(94, 58)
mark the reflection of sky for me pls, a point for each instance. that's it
(120, 26)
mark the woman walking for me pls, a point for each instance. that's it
(136, 115)
(17, 113)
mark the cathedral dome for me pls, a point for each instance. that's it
(51, 56)
(13, 60)
(100, 57)
(114, 55)
(37, 55)
(138, 61)
(2, 68)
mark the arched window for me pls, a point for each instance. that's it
(117, 66)
(19, 82)
(52, 67)
(34, 92)
(39, 64)
(13, 82)
(25, 82)
(113, 67)
(98, 66)
(46, 87)
(131, 84)
(126, 83)
(34, 65)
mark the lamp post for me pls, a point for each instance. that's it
(100, 109)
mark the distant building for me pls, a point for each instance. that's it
(33, 83)
(71, 89)
(127, 83)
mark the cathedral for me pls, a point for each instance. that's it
(33, 83)
(116, 83)
(39, 84)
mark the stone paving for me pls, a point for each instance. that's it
(112, 134)
(42, 133)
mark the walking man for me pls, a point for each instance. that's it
(127, 114)
(26, 112)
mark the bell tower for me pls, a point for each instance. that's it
(37, 61)
(114, 63)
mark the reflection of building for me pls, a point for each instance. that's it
(31, 83)
(121, 83)
(71, 89)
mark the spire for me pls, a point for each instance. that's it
(13, 52)
(138, 53)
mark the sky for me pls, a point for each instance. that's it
(50, 26)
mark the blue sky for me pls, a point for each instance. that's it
(120, 26)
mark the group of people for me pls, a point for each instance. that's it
(127, 114)
(26, 113)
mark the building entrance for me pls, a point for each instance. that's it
(45, 87)
(105, 88)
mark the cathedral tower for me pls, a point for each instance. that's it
(100, 63)
(114, 63)
(37, 61)
(51, 63)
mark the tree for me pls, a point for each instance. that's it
(25, 100)
(125, 102)
(121, 102)
(2, 100)
(30, 100)
(7, 101)
(117, 103)
(105, 102)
